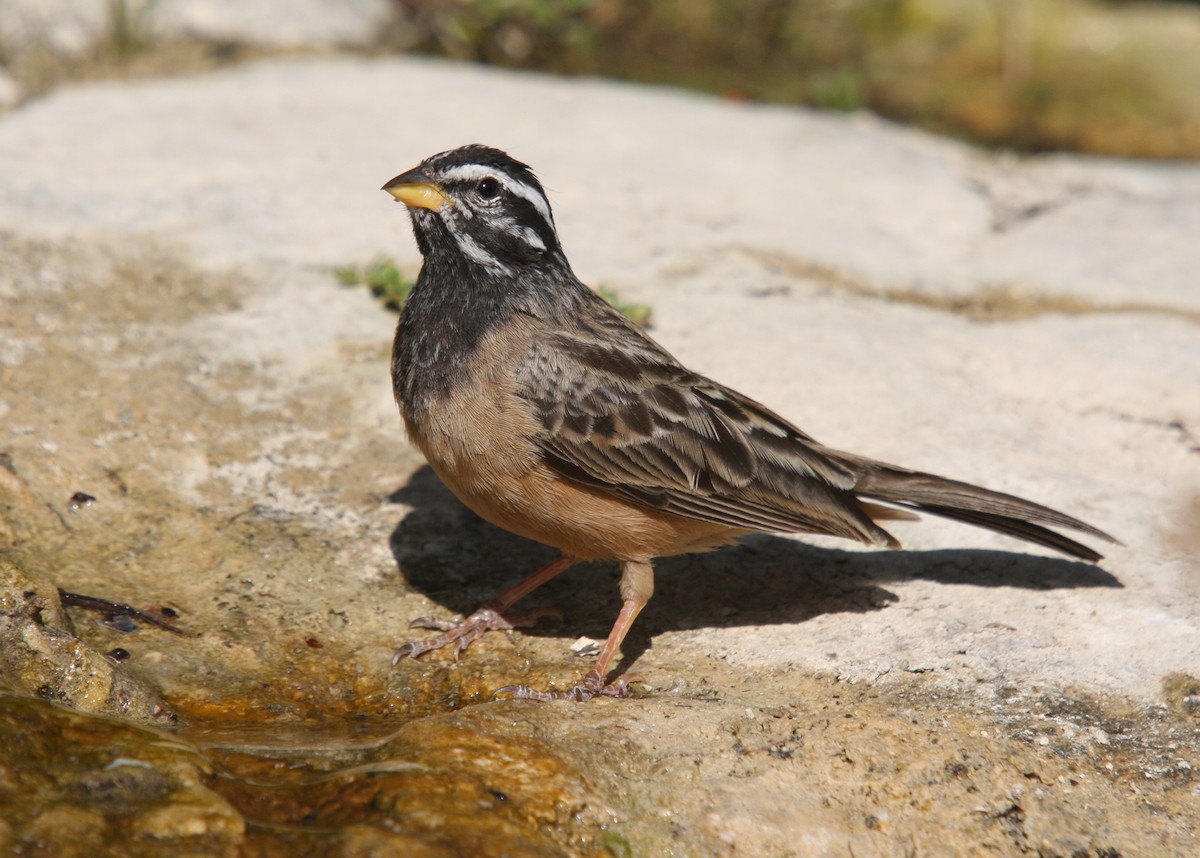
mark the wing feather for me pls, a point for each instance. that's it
(621, 415)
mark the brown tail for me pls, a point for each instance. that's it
(964, 502)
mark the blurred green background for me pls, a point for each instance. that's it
(1110, 77)
(1113, 78)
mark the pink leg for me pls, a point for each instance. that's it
(462, 633)
(637, 586)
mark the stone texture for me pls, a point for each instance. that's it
(173, 342)
(70, 28)
(77, 785)
(65, 27)
(775, 242)
(10, 90)
(273, 24)
(40, 656)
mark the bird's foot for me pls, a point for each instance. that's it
(592, 686)
(462, 633)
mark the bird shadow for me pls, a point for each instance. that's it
(457, 559)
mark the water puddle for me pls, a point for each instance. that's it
(477, 783)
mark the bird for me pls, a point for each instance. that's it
(551, 415)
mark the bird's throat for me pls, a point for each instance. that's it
(447, 317)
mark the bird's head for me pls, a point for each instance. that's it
(480, 204)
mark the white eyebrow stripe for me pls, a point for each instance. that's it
(514, 186)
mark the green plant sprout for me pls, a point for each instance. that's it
(387, 283)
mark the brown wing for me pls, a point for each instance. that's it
(620, 414)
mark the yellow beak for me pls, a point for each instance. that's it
(418, 195)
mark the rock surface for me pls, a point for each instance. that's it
(73, 27)
(275, 24)
(126, 791)
(40, 656)
(174, 344)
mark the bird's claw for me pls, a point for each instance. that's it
(462, 633)
(435, 624)
(592, 686)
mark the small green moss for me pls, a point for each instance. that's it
(129, 31)
(347, 275)
(639, 314)
(387, 283)
(382, 276)
(616, 845)
(840, 90)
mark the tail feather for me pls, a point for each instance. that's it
(1026, 530)
(982, 507)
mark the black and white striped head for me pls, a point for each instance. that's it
(490, 206)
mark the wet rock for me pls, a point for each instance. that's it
(41, 656)
(23, 516)
(75, 782)
(479, 782)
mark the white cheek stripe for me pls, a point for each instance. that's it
(473, 251)
(532, 238)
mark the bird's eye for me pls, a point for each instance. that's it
(489, 188)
